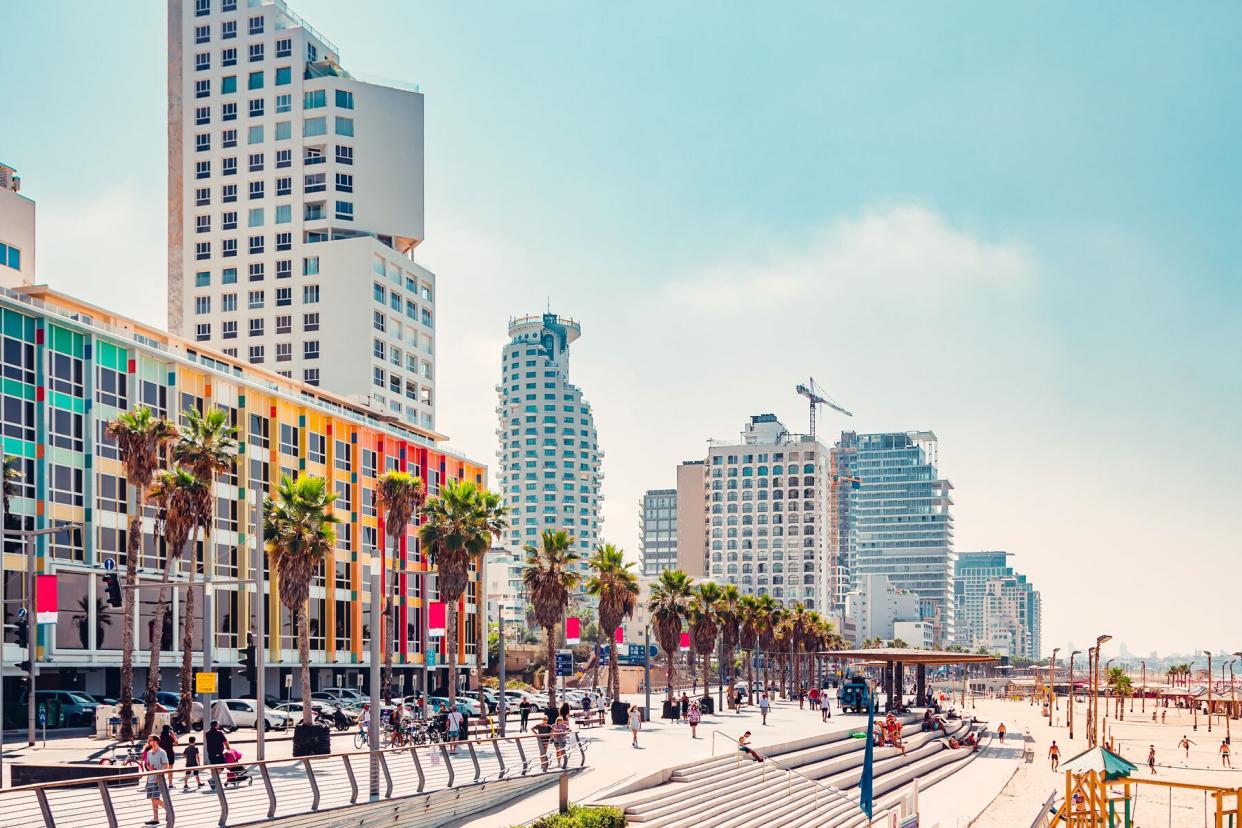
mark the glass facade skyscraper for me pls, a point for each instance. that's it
(997, 607)
(658, 518)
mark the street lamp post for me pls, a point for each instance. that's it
(1100, 641)
(1229, 712)
(647, 672)
(1070, 704)
(1143, 689)
(1108, 666)
(1052, 682)
(1209, 681)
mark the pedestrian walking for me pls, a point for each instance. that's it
(191, 765)
(157, 763)
(693, 717)
(168, 742)
(685, 705)
(1151, 758)
(560, 736)
(636, 720)
(454, 722)
(1224, 755)
(825, 712)
(1163, 713)
(1054, 756)
(543, 732)
(1185, 744)
(216, 744)
(523, 714)
(764, 706)
(1001, 732)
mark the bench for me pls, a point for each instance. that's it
(588, 718)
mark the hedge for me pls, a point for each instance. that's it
(580, 816)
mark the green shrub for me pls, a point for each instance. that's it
(581, 816)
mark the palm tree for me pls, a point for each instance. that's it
(1121, 685)
(178, 494)
(402, 496)
(797, 621)
(206, 446)
(616, 587)
(298, 533)
(749, 623)
(670, 597)
(728, 615)
(458, 528)
(766, 618)
(704, 625)
(140, 437)
(550, 578)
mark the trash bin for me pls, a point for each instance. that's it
(672, 710)
(707, 705)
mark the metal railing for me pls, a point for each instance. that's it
(835, 793)
(228, 794)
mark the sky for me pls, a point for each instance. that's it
(1017, 225)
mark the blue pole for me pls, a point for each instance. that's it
(865, 784)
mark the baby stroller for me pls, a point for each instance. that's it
(236, 772)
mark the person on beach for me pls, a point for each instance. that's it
(1151, 758)
(1001, 732)
(1054, 756)
(1224, 755)
(1185, 744)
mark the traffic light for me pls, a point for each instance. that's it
(248, 661)
(22, 633)
(114, 589)
(24, 666)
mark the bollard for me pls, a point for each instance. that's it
(564, 803)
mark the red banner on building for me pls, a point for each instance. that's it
(45, 599)
(685, 642)
(435, 619)
(573, 630)
(619, 635)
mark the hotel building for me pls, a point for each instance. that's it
(658, 524)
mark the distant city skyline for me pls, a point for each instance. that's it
(1013, 226)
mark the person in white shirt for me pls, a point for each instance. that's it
(764, 706)
(454, 721)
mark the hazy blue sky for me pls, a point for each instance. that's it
(1017, 225)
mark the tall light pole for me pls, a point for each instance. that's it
(1108, 666)
(1052, 682)
(1070, 704)
(1209, 679)
(1089, 724)
(1095, 702)
(1143, 689)
(1229, 712)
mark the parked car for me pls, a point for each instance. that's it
(346, 695)
(100, 699)
(469, 707)
(65, 708)
(492, 702)
(244, 713)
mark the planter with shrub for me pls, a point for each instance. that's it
(583, 816)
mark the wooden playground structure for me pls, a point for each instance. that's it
(1094, 800)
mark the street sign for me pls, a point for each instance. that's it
(288, 680)
(205, 683)
(42, 714)
(45, 599)
(109, 564)
(565, 663)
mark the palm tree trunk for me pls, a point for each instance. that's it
(690, 667)
(728, 654)
(550, 681)
(595, 677)
(750, 675)
(450, 648)
(185, 705)
(157, 640)
(304, 657)
(614, 678)
(668, 673)
(388, 623)
(133, 548)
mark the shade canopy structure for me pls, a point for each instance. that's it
(929, 658)
(1100, 760)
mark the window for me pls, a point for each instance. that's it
(228, 138)
(345, 126)
(228, 5)
(313, 155)
(395, 301)
(394, 384)
(315, 183)
(344, 99)
(229, 247)
(377, 348)
(202, 143)
(310, 349)
(314, 126)
(310, 376)
(228, 302)
(202, 115)
(202, 278)
(256, 25)
(284, 268)
(202, 196)
(284, 103)
(312, 54)
(310, 294)
(284, 297)
(284, 241)
(228, 276)
(202, 88)
(377, 292)
(254, 135)
(255, 299)
(228, 57)
(255, 160)
(228, 30)
(284, 131)
(284, 158)
(256, 107)
(228, 220)
(256, 327)
(256, 217)
(256, 78)
(202, 61)
(202, 8)
(344, 155)
(411, 310)
(202, 169)
(345, 210)
(284, 213)
(284, 324)
(344, 182)
(230, 352)
(202, 224)
(379, 321)
(284, 76)
(284, 353)
(426, 317)
(202, 305)
(256, 354)
(202, 250)
(256, 52)
(202, 34)
(202, 332)
(284, 47)
(229, 328)
(256, 245)
(314, 99)
(228, 111)
(310, 322)
(228, 194)
(228, 84)
(256, 189)
(284, 186)
(256, 271)
(377, 377)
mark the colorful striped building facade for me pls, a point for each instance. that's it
(68, 368)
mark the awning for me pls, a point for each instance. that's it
(1100, 760)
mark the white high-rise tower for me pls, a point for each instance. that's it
(549, 452)
(295, 202)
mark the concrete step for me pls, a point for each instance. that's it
(693, 795)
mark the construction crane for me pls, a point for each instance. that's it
(816, 396)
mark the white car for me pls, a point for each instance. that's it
(243, 713)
